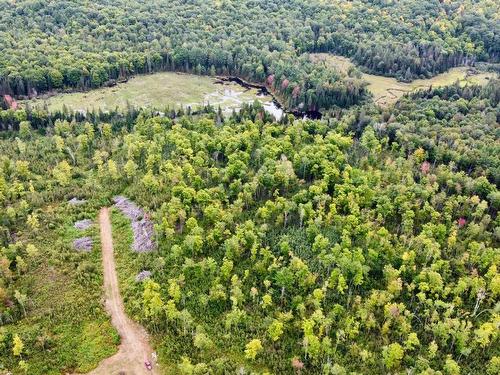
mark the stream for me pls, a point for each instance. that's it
(271, 105)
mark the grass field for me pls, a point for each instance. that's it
(159, 91)
(387, 90)
(173, 90)
(65, 328)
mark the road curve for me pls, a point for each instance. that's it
(134, 348)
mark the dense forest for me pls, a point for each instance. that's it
(293, 247)
(365, 242)
(72, 44)
(453, 124)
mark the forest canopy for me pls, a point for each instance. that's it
(70, 44)
(366, 242)
(292, 246)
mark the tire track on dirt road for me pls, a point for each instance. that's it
(134, 349)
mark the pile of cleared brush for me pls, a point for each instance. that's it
(83, 244)
(83, 224)
(142, 226)
(76, 202)
(143, 275)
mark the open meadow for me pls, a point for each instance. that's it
(387, 90)
(175, 90)
(160, 90)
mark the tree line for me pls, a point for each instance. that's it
(63, 45)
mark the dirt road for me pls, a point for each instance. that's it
(134, 348)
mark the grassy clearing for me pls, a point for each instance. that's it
(66, 328)
(173, 90)
(160, 90)
(387, 90)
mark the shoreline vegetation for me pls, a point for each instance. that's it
(156, 90)
(177, 90)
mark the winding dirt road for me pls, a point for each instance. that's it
(134, 348)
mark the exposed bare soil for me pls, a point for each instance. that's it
(134, 348)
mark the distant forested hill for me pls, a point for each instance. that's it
(73, 44)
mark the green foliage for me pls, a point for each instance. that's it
(62, 173)
(451, 124)
(253, 348)
(393, 354)
(98, 340)
(17, 345)
(451, 367)
(324, 242)
(268, 42)
(24, 129)
(275, 330)
(50, 295)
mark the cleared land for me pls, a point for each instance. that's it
(160, 90)
(387, 90)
